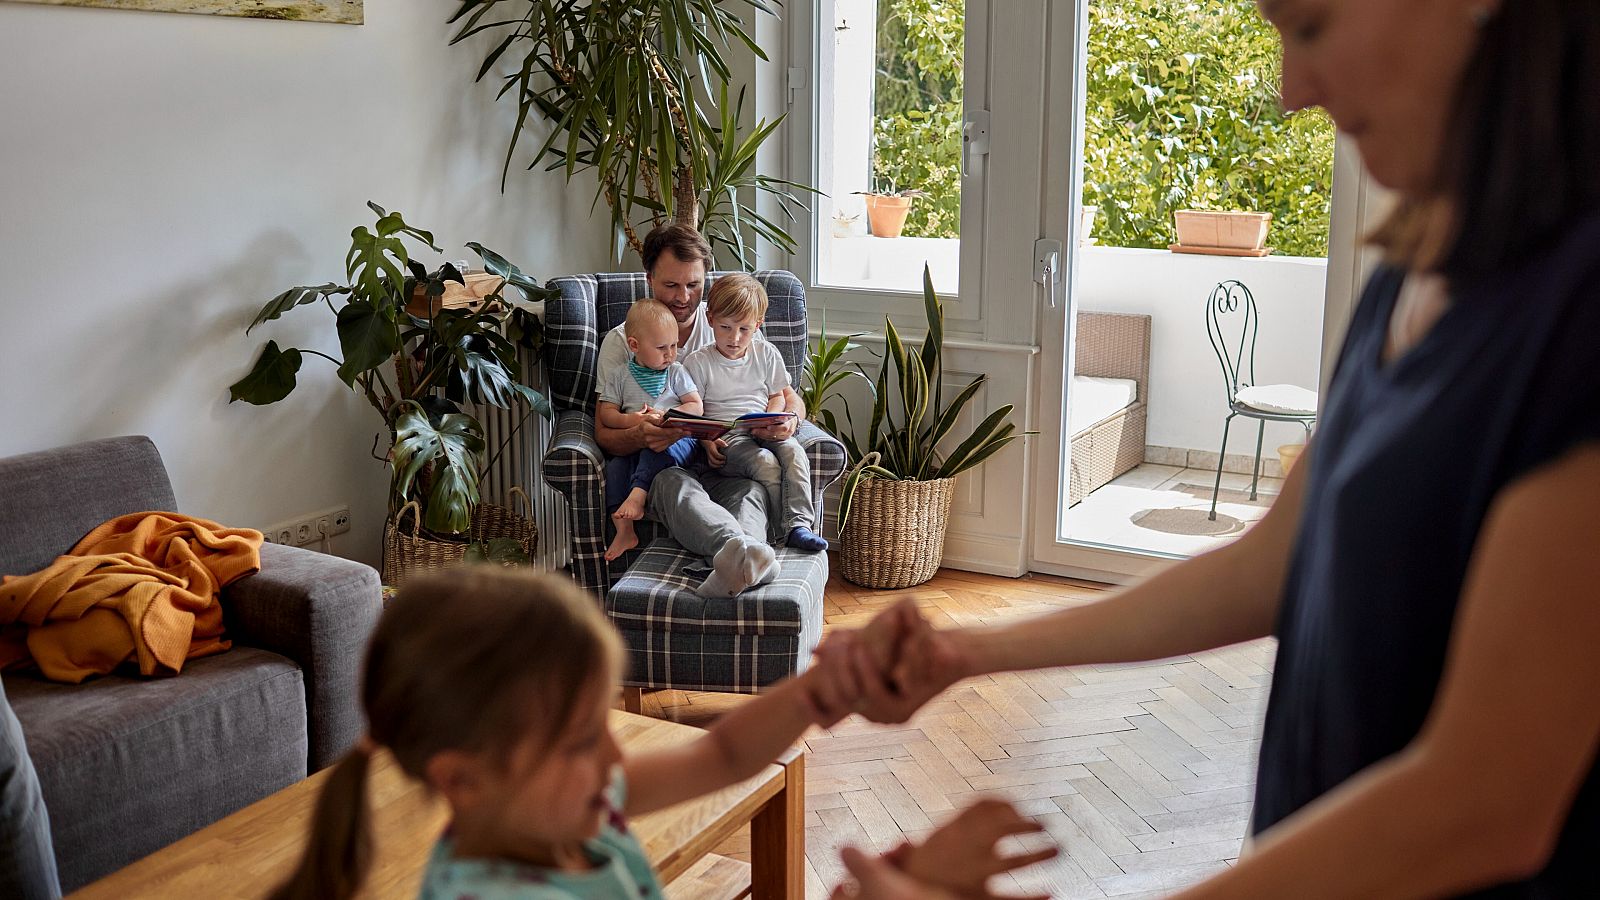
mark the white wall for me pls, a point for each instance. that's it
(1188, 400)
(161, 176)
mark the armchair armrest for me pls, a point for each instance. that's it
(826, 453)
(574, 465)
(318, 610)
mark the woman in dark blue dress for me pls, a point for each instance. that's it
(1432, 570)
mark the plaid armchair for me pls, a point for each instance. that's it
(675, 637)
(588, 307)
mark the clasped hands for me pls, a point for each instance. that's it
(886, 671)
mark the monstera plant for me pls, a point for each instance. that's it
(419, 362)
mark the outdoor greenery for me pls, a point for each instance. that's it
(1182, 113)
(917, 94)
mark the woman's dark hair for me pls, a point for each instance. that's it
(473, 659)
(1521, 160)
(682, 241)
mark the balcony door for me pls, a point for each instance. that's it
(1159, 512)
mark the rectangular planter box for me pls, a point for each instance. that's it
(1233, 230)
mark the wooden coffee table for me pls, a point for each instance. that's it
(244, 855)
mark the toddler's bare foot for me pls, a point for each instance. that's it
(632, 509)
(625, 540)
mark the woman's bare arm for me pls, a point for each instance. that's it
(1481, 795)
(1222, 597)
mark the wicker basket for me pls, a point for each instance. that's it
(406, 554)
(895, 536)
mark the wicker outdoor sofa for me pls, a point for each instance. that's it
(1112, 349)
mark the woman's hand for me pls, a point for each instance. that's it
(878, 879)
(964, 854)
(955, 863)
(714, 452)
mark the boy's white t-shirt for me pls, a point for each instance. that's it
(730, 388)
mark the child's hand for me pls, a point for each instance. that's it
(962, 855)
(833, 684)
(651, 415)
(714, 454)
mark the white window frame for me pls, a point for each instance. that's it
(809, 80)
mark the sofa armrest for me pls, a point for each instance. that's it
(27, 859)
(318, 610)
(574, 465)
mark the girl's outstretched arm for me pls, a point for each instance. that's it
(740, 743)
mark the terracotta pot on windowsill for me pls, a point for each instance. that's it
(886, 214)
(1222, 233)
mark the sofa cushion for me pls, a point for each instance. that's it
(49, 500)
(680, 639)
(129, 765)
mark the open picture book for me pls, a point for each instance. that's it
(706, 428)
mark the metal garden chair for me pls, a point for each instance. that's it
(1231, 302)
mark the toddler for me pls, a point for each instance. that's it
(738, 375)
(651, 383)
(494, 687)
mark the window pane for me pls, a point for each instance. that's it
(890, 139)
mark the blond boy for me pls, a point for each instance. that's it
(738, 375)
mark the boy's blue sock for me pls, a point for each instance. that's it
(803, 538)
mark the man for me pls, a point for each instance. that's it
(721, 518)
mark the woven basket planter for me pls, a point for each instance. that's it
(895, 536)
(413, 553)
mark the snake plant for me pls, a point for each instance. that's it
(910, 418)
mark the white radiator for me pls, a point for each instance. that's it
(521, 465)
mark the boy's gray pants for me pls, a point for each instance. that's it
(782, 468)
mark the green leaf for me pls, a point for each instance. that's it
(366, 339)
(295, 296)
(497, 551)
(271, 379)
(451, 448)
(992, 428)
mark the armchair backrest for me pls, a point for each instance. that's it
(51, 499)
(591, 305)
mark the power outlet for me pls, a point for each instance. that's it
(310, 528)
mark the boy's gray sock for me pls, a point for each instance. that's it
(741, 564)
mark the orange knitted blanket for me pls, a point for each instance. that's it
(144, 586)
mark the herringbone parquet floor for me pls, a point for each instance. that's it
(1142, 774)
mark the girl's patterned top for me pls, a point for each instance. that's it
(621, 870)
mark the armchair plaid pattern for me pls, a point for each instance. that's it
(588, 307)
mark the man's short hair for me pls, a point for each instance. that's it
(683, 241)
(737, 297)
(646, 313)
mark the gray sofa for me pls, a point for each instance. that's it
(128, 765)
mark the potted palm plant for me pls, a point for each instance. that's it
(421, 360)
(636, 92)
(895, 502)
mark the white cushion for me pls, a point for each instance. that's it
(1094, 398)
(1283, 399)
